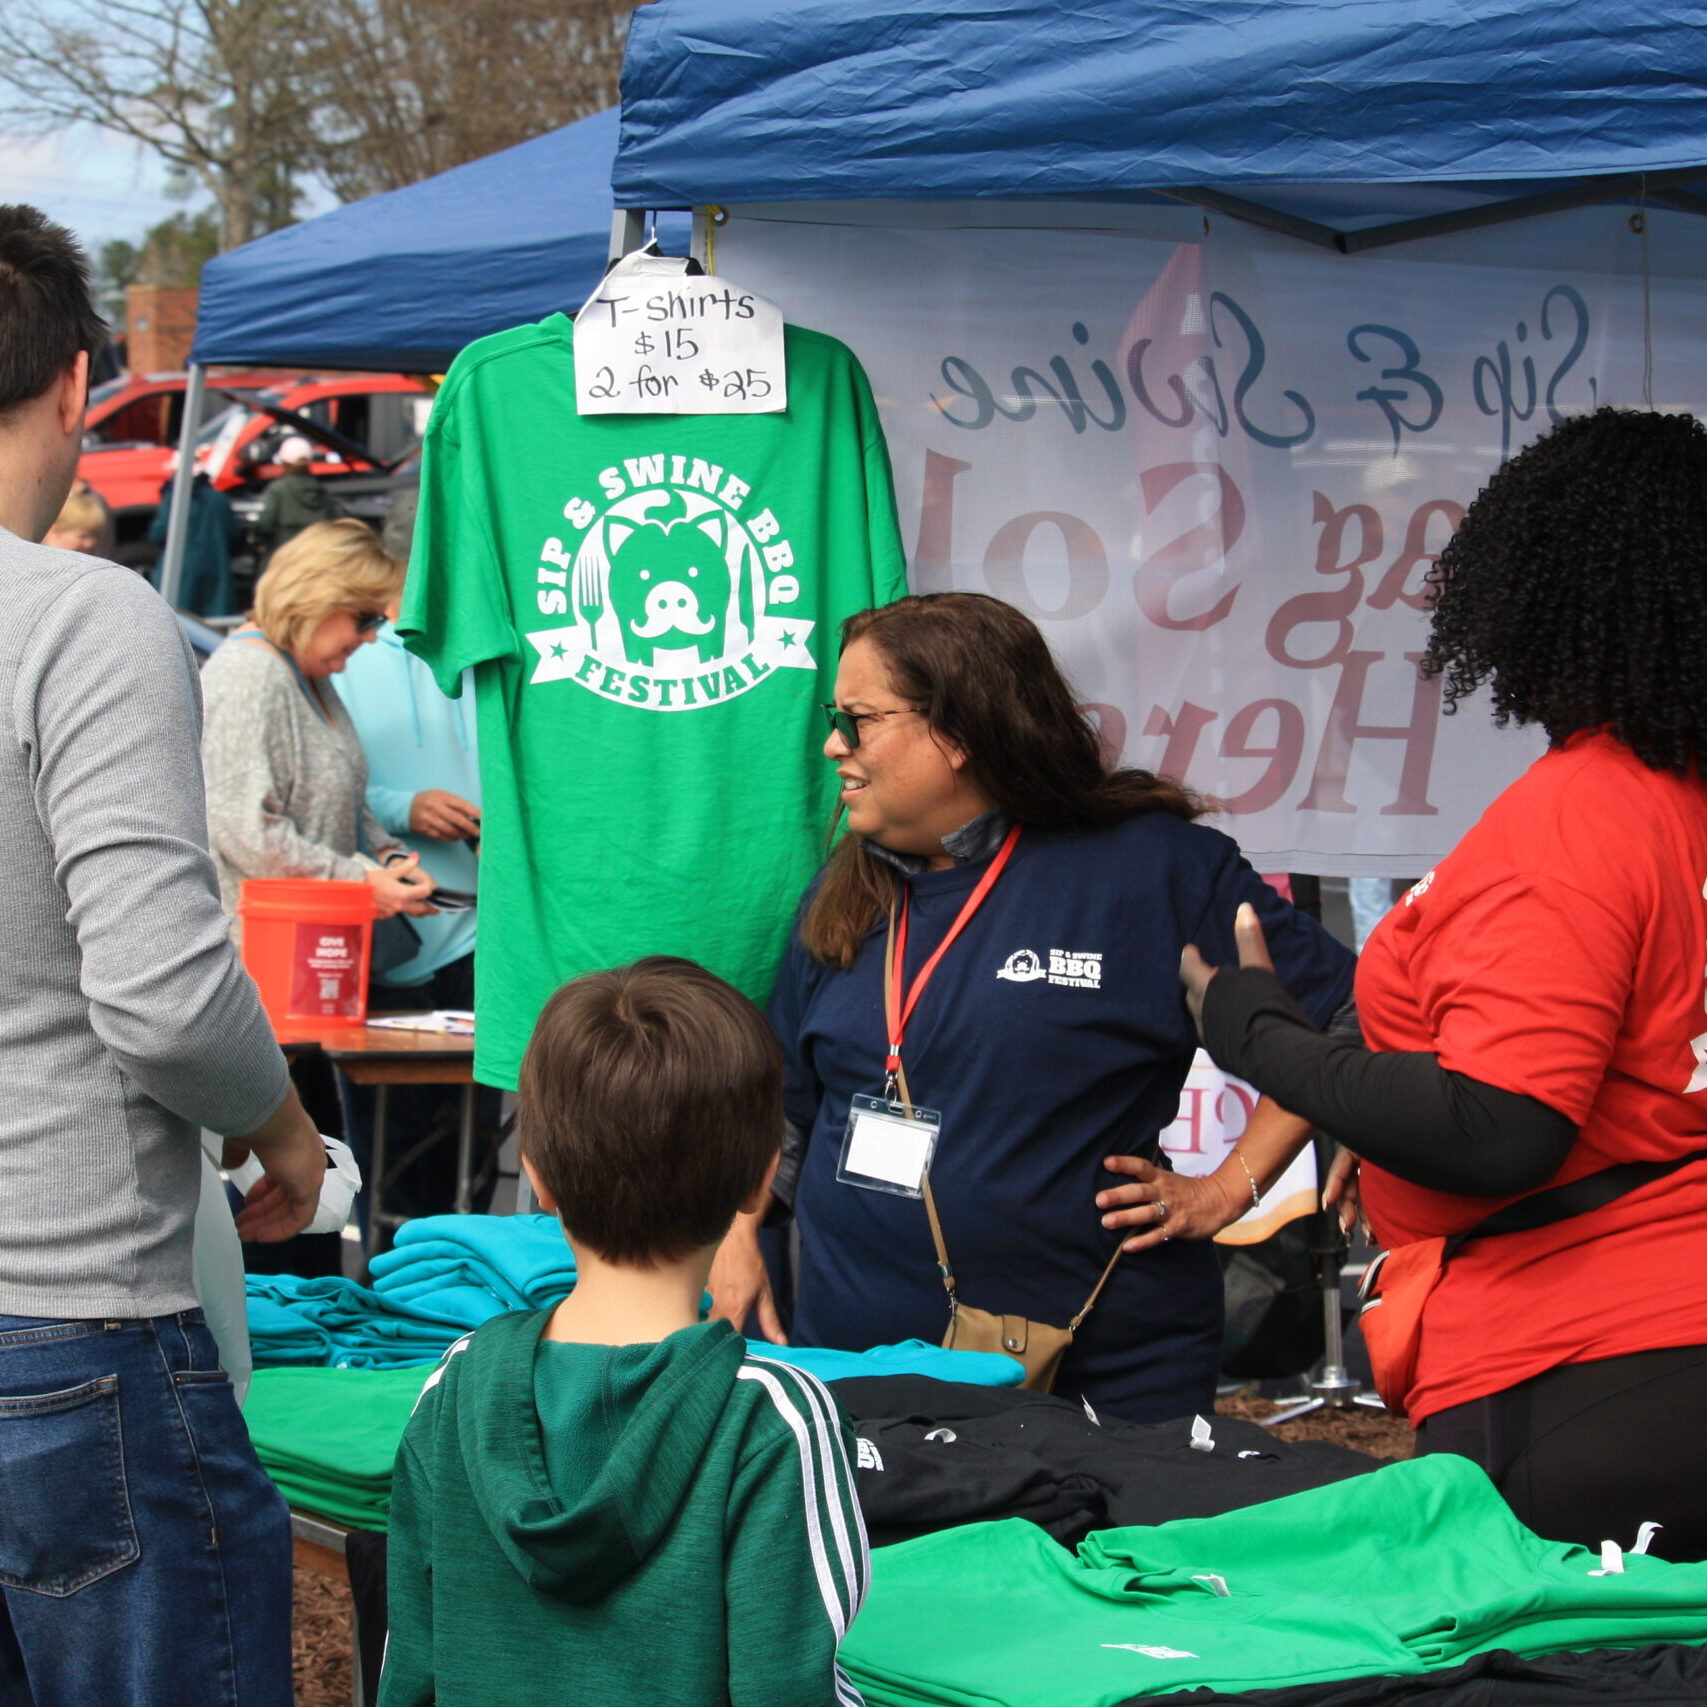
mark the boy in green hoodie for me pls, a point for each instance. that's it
(612, 1501)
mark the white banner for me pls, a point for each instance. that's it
(1216, 465)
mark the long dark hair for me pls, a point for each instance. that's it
(1577, 586)
(988, 685)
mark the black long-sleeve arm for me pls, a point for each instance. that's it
(1402, 1110)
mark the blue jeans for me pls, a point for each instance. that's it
(145, 1558)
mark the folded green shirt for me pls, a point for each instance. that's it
(1412, 1568)
(329, 1437)
(1436, 1554)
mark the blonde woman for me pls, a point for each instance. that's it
(81, 524)
(286, 779)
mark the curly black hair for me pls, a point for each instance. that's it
(1577, 585)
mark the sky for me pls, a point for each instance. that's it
(101, 187)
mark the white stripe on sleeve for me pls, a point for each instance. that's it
(840, 1610)
(839, 1478)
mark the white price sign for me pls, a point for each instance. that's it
(653, 340)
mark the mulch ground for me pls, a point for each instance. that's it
(321, 1647)
(320, 1641)
(1365, 1430)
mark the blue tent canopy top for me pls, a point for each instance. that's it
(1258, 107)
(400, 282)
(1346, 122)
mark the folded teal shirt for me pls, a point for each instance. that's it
(464, 1269)
(335, 1322)
(450, 1273)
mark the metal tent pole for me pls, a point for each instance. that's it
(1336, 1388)
(178, 519)
(627, 231)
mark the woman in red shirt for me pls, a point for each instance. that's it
(1537, 1004)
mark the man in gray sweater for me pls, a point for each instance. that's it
(144, 1556)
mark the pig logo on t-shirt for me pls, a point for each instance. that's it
(670, 586)
(679, 588)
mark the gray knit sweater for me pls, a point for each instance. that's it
(125, 1019)
(286, 777)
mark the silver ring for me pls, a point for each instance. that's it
(1161, 1211)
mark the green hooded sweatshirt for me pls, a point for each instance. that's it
(598, 1525)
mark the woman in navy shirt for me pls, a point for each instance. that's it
(1050, 1036)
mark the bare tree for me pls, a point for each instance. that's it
(413, 87)
(249, 97)
(223, 91)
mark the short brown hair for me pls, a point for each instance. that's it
(330, 566)
(651, 1105)
(46, 315)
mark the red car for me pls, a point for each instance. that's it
(132, 426)
(148, 408)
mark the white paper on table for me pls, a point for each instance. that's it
(457, 1022)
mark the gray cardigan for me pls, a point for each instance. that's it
(286, 777)
(126, 1021)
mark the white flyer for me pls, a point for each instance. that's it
(654, 340)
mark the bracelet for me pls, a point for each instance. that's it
(1256, 1195)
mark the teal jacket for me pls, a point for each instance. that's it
(672, 1522)
(214, 529)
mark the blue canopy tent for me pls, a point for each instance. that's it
(1348, 123)
(400, 282)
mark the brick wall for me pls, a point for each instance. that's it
(160, 324)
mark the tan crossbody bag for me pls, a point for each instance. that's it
(1039, 1346)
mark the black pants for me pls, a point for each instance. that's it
(1588, 1452)
(312, 1255)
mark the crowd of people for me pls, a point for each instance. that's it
(908, 1145)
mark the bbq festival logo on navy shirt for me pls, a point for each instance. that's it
(679, 582)
(1078, 968)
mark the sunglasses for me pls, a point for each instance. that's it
(367, 620)
(846, 723)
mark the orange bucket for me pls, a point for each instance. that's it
(306, 943)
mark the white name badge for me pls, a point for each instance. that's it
(888, 1146)
(653, 340)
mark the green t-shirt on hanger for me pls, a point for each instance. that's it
(651, 605)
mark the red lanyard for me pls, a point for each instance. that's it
(899, 1010)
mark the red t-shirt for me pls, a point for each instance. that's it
(1560, 951)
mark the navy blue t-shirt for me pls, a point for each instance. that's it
(1053, 1033)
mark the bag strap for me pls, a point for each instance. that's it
(1096, 1291)
(944, 1267)
(1575, 1197)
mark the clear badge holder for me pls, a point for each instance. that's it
(888, 1146)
